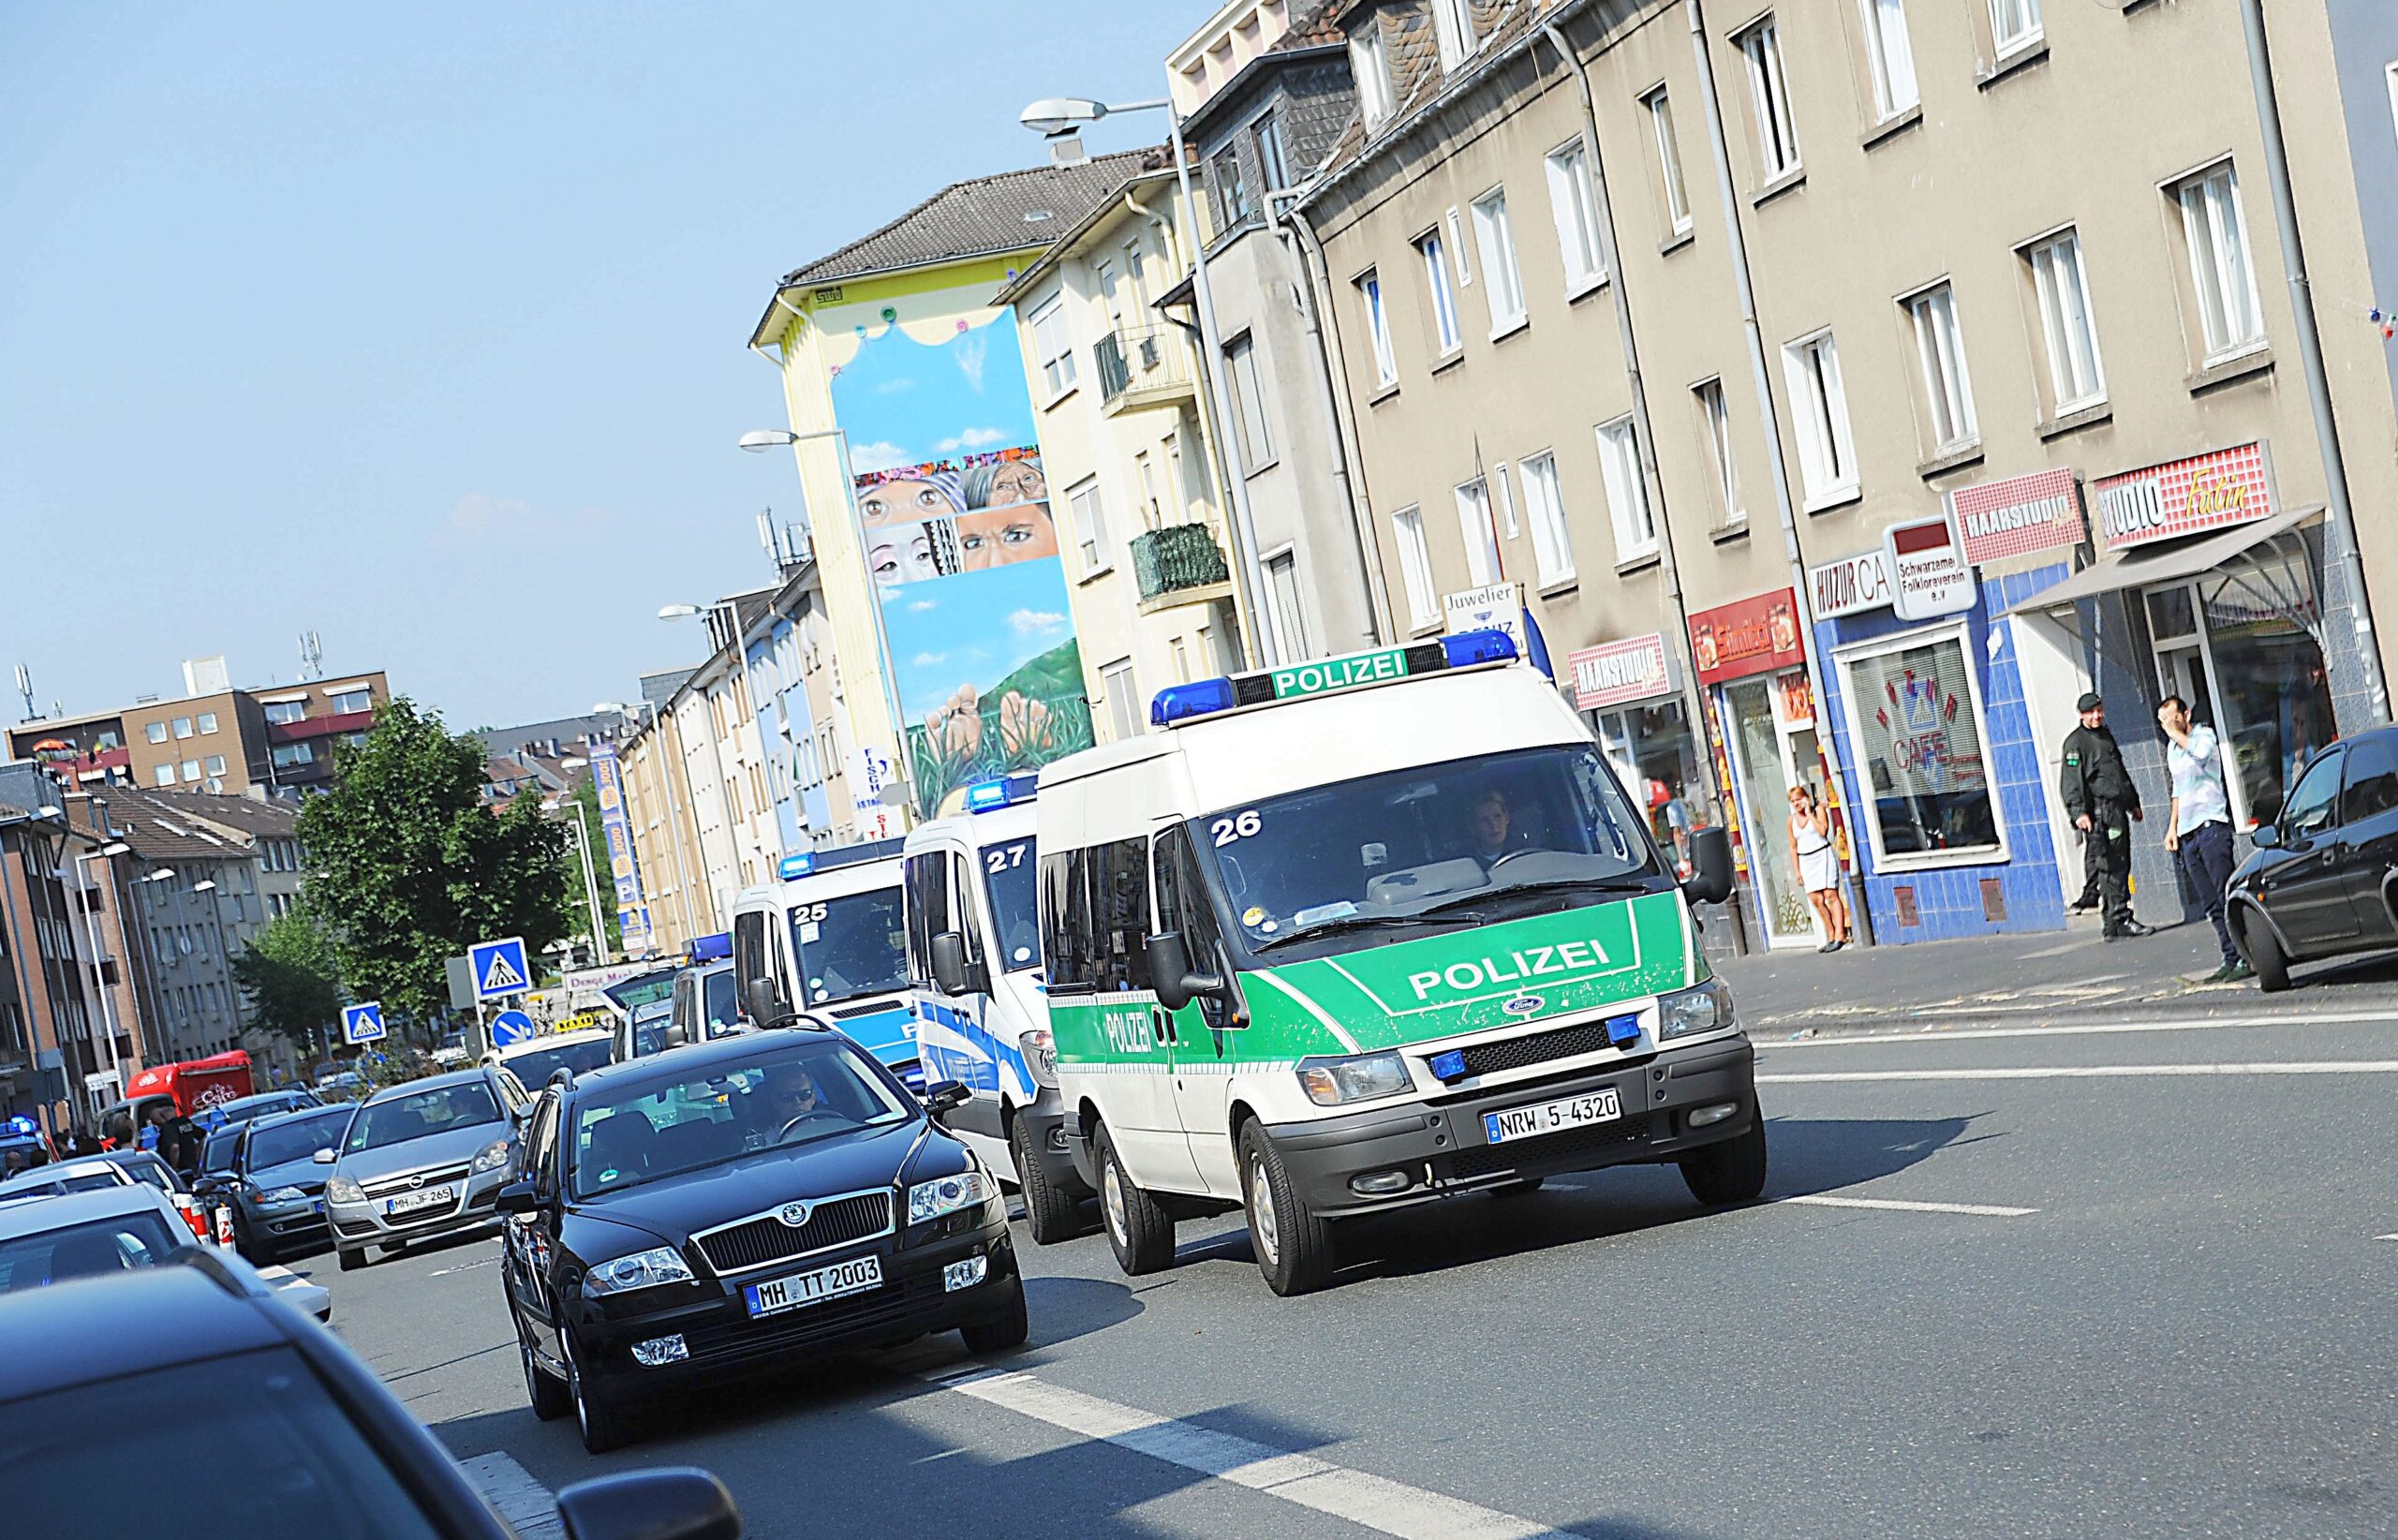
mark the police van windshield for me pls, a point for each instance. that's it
(850, 946)
(1012, 878)
(1474, 841)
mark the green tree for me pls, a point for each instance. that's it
(289, 973)
(411, 867)
(586, 797)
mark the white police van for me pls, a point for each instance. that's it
(981, 1019)
(829, 937)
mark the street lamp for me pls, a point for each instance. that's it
(113, 849)
(224, 958)
(674, 811)
(1053, 116)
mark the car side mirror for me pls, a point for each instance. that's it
(1711, 866)
(520, 1196)
(673, 1502)
(952, 970)
(1170, 973)
(767, 1007)
(675, 1035)
(946, 1095)
(324, 1157)
(2265, 836)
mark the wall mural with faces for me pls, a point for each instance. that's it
(962, 548)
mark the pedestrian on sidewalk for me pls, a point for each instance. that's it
(1818, 864)
(2102, 802)
(2200, 828)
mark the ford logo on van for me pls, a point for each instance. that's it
(1525, 1005)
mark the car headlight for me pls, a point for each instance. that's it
(1330, 1082)
(285, 1194)
(1701, 1008)
(1041, 1056)
(640, 1271)
(491, 1156)
(947, 1195)
(340, 1188)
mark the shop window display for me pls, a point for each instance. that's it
(1919, 723)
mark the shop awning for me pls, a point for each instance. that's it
(2139, 566)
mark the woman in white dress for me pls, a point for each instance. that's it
(1818, 864)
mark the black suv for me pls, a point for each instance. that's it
(2323, 881)
(738, 1206)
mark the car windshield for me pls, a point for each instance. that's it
(82, 1250)
(419, 1113)
(850, 946)
(297, 1140)
(790, 1094)
(648, 989)
(152, 1171)
(717, 1002)
(533, 1066)
(220, 1151)
(1011, 880)
(1427, 846)
(283, 1458)
(649, 1027)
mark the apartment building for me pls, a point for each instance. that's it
(657, 793)
(1856, 384)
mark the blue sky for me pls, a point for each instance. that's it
(420, 327)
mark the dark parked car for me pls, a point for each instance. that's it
(2323, 881)
(114, 1381)
(277, 1186)
(740, 1206)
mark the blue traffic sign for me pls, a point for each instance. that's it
(511, 1027)
(362, 1022)
(499, 968)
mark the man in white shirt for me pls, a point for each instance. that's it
(2200, 827)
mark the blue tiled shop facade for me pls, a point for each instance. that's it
(1950, 902)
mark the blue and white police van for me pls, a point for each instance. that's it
(982, 1010)
(830, 935)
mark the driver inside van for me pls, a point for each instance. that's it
(1490, 828)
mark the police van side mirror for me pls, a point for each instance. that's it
(1170, 973)
(766, 1004)
(1711, 866)
(951, 970)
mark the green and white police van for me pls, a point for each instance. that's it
(1363, 932)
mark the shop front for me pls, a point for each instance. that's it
(1629, 693)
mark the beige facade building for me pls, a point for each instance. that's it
(1850, 386)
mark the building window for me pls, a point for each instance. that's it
(183, 727)
(346, 702)
(1248, 411)
(1055, 345)
(1503, 286)
(1370, 67)
(1827, 453)
(1445, 302)
(1715, 423)
(1232, 188)
(1948, 395)
(1769, 100)
(1415, 566)
(1669, 162)
(2249, 668)
(2218, 241)
(1552, 546)
(1290, 618)
(207, 721)
(1090, 527)
(287, 755)
(163, 776)
(1575, 205)
(1481, 538)
(279, 713)
(191, 770)
(1272, 170)
(2014, 23)
(214, 765)
(1916, 713)
(1628, 506)
(1889, 62)
(155, 731)
(1453, 26)
(1369, 289)
(1123, 698)
(2076, 381)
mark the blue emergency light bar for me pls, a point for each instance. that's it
(22, 1124)
(1178, 703)
(796, 865)
(1007, 792)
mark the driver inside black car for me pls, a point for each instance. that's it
(786, 1095)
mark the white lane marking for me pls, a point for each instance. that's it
(276, 1271)
(2090, 1072)
(523, 1502)
(1372, 1502)
(462, 1267)
(1987, 1210)
(2385, 1237)
(2180, 1024)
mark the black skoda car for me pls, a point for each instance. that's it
(738, 1206)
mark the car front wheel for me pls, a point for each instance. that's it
(2265, 953)
(351, 1260)
(601, 1421)
(1007, 1329)
(549, 1396)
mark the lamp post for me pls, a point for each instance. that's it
(224, 961)
(590, 881)
(674, 808)
(113, 849)
(1053, 116)
(154, 1046)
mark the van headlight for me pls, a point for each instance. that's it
(341, 1189)
(1041, 1056)
(640, 1271)
(931, 1199)
(1702, 1008)
(1330, 1082)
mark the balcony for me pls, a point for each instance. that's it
(1178, 565)
(1142, 367)
(320, 727)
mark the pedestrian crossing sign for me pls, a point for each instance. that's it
(363, 1022)
(499, 968)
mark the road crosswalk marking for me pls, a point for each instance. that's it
(1986, 1210)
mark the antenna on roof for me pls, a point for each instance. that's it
(25, 688)
(312, 657)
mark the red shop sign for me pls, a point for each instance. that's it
(1758, 635)
(2020, 516)
(2184, 496)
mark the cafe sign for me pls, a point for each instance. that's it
(1616, 673)
(1851, 585)
(2189, 497)
(2020, 516)
(1757, 635)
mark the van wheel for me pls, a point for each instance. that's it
(1731, 1170)
(1139, 1229)
(1293, 1245)
(2265, 955)
(351, 1260)
(1053, 1216)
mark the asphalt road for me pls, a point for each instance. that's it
(2120, 1282)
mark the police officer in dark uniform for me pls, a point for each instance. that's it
(2102, 802)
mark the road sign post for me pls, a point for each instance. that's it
(499, 968)
(509, 1027)
(362, 1022)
